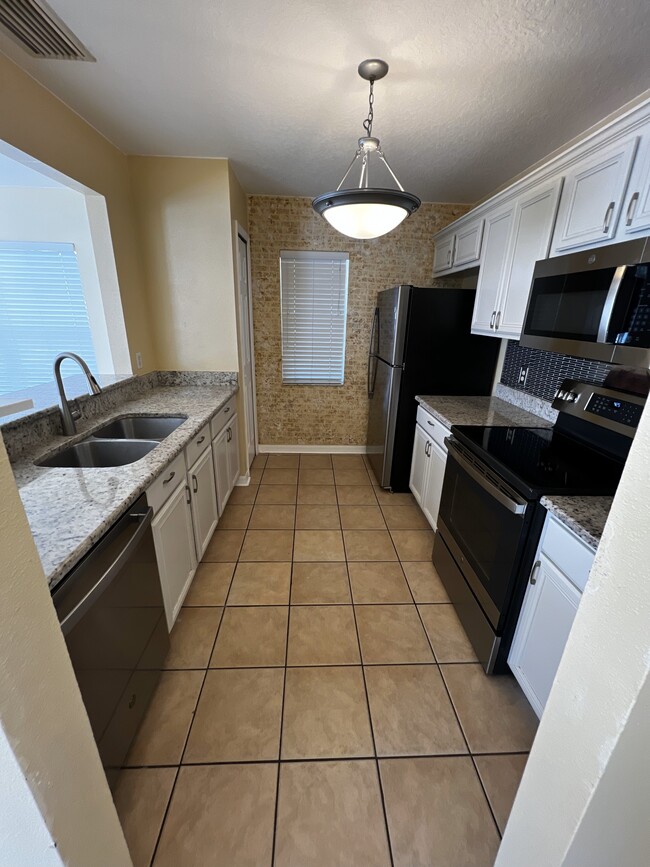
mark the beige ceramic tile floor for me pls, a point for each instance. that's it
(321, 704)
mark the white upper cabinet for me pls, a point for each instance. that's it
(531, 236)
(593, 197)
(498, 227)
(467, 248)
(459, 249)
(636, 215)
(443, 254)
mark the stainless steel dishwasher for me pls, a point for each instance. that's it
(110, 608)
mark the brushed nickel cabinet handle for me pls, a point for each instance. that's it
(200, 440)
(533, 571)
(188, 495)
(195, 484)
(631, 208)
(608, 217)
(498, 320)
(494, 313)
(168, 480)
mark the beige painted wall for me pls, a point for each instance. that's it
(184, 223)
(42, 715)
(335, 415)
(39, 124)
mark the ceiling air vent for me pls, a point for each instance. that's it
(40, 31)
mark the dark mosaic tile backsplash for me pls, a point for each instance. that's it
(546, 370)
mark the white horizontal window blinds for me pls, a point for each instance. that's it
(314, 289)
(42, 312)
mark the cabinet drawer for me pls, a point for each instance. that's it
(166, 483)
(436, 429)
(223, 416)
(568, 552)
(197, 446)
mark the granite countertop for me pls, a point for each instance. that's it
(70, 509)
(488, 410)
(586, 516)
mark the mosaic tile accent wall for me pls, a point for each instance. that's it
(328, 415)
(546, 370)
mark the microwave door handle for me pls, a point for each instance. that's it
(608, 306)
(512, 504)
(144, 521)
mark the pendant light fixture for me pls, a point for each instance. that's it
(364, 211)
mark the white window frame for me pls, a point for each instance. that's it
(332, 373)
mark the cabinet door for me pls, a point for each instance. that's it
(204, 500)
(443, 253)
(593, 197)
(419, 464)
(468, 244)
(498, 228)
(173, 537)
(233, 453)
(433, 490)
(636, 216)
(221, 469)
(532, 228)
(544, 624)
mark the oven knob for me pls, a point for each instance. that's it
(572, 396)
(561, 394)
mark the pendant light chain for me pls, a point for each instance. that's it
(367, 124)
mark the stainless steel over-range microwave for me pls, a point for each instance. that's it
(594, 304)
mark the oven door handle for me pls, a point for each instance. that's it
(512, 504)
(144, 521)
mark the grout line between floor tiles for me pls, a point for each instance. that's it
(198, 699)
(284, 683)
(453, 706)
(370, 721)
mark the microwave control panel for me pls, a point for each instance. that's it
(615, 409)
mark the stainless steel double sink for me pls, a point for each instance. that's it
(117, 443)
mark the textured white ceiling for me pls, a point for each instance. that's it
(478, 89)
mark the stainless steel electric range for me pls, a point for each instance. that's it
(490, 517)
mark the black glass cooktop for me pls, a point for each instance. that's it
(537, 461)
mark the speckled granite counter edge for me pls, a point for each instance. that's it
(586, 516)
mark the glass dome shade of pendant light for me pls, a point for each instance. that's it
(365, 213)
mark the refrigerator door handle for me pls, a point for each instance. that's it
(372, 375)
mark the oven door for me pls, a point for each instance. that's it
(483, 521)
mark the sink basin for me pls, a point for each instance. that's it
(101, 453)
(137, 427)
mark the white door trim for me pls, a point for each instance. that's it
(240, 232)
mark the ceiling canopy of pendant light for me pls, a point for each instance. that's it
(364, 211)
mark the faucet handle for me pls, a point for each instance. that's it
(75, 412)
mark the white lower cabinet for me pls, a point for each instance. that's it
(433, 489)
(173, 535)
(428, 465)
(204, 501)
(225, 453)
(550, 604)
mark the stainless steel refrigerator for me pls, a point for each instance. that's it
(420, 343)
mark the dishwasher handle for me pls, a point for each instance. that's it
(144, 520)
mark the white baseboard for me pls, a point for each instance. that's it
(312, 450)
(243, 481)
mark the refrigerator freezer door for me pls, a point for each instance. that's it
(381, 420)
(392, 305)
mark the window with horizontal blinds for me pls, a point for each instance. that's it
(42, 312)
(314, 290)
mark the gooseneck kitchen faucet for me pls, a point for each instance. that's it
(69, 411)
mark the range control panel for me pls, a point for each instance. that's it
(615, 409)
(609, 408)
